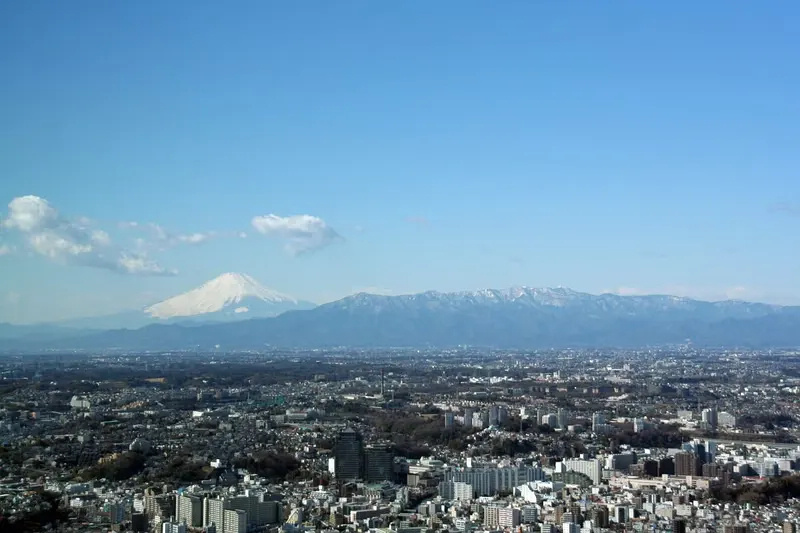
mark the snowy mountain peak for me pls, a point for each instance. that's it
(228, 290)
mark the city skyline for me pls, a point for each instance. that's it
(636, 149)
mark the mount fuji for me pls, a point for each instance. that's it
(228, 297)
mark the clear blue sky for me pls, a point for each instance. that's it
(623, 146)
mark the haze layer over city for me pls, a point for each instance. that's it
(410, 267)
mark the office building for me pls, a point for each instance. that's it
(449, 420)
(678, 525)
(349, 455)
(710, 418)
(139, 522)
(379, 462)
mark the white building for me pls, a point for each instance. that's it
(509, 517)
(189, 510)
(592, 468)
(173, 527)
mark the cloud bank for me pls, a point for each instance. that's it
(49, 234)
(80, 241)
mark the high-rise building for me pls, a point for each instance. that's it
(530, 514)
(711, 450)
(235, 521)
(379, 462)
(349, 455)
(509, 517)
(173, 527)
(259, 510)
(468, 414)
(666, 466)
(490, 481)
(592, 468)
(600, 516)
(726, 419)
(710, 417)
(139, 522)
(189, 510)
(687, 464)
(449, 419)
(455, 490)
(502, 414)
(214, 512)
(789, 527)
(570, 527)
(159, 505)
(493, 415)
(563, 418)
(597, 420)
(491, 516)
(678, 525)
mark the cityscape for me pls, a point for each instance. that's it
(405, 266)
(402, 441)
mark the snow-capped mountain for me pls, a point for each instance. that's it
(559, 300)
(519, 317)
(226, 298)
(231, 296)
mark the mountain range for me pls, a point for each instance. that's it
(519, 317)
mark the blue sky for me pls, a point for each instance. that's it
(633, 147)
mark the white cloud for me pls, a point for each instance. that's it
(57, 238)
(30, 213)
(302, 233)
(163, 238)
(195, 238)
(5, 250)
(141, 265)
(100, 238)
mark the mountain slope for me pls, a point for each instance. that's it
(513, 318)
(230, 295)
